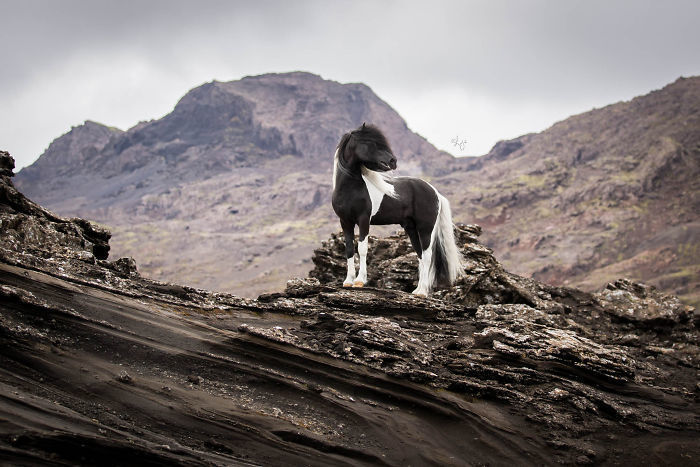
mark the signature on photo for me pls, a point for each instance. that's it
(460, 143)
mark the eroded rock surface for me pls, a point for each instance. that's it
(497, 370)
(27, 227)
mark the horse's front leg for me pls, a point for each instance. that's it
(349, 233)
(361, 279)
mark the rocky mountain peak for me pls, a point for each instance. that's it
(219, 126)
(69, 152)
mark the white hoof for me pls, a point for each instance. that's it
(347, 284)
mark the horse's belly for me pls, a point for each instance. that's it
(389, 212)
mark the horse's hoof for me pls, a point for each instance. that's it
(347, 284)
(419, 294)
(358, 284)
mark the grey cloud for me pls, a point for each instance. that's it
(560, 54)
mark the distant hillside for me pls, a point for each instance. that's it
(609, 193)
(231, 190)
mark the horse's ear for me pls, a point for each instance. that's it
(363, 126)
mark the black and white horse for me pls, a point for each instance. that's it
(362, 195)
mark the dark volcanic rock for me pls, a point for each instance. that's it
(100, 364)
(643, 305)
(26, 226)
(7, 164)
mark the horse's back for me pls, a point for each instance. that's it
(417, 200)
(417, 187)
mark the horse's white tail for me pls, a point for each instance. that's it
(447, 262)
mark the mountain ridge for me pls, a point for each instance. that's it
(596, 189)
(243, 166)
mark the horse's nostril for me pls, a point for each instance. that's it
(392, 163)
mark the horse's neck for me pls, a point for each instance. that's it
(346, 181)
(347, 174)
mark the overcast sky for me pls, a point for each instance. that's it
(477, 70)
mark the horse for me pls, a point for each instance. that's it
(364, 195)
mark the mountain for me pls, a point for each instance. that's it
(607, 193)
(104, 366)
(236, 180)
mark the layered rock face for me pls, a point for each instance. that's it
(27, 227)
(499, 369)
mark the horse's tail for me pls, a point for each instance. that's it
(448, 262)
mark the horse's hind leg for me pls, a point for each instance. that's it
(362, 247)
(425, 259)
(349, 233)
(424, 279)
(410, 228)
(412, 232)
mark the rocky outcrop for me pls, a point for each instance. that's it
(394, 265)
(498, 369)
(27, 227)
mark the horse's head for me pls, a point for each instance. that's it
(368, 146)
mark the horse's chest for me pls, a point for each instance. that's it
(375, 197)
(353, 201)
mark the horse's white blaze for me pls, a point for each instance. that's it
(350, 277)
(362, 248)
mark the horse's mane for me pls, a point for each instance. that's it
(343, 143)
(338, 151)
(374, 134)
(378, 179)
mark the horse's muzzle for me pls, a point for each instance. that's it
(391, 165)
